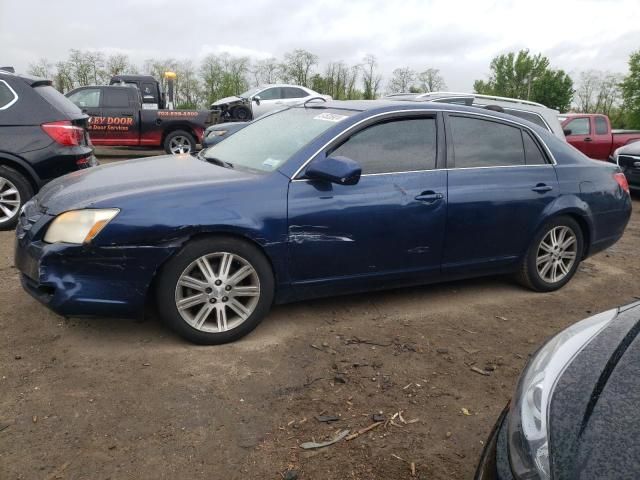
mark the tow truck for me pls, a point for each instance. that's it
(130, 112)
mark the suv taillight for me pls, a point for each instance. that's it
(64, 133)
(622, 181)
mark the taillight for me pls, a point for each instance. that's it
(64, 133)
(622, 181)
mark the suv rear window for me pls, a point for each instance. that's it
(7, 95)
(58, 101)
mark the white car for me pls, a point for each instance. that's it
(263, 99)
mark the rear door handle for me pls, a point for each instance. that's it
(429, 197)
(126, 114)
(588, 139)
(542, 188)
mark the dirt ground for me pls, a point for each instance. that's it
(122, 399)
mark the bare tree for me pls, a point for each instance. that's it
(119, 64)
(42, 68)
(370, 78)
(298, 66)
(431, 81)
(598, 92)
(266, 71)
(402, 80)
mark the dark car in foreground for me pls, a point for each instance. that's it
(319, 200)
(42, 136)
(628, 159)
(575, 411)
(216, 133)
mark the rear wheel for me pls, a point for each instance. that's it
(15, 190)
(179, 142)
(215, 290)
(554, 256)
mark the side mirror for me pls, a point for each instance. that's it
(340, 170)
(566, 131)
(257, 99)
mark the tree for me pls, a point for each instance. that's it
(119, 64)
(598, 92)
(266, 71)
(42, 68)
(402, 80)
(431, 81)
(631, 92)
(187, 88)
(370, 78)
(527, 77)
(298, 65)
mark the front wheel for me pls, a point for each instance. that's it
(554, 256)
(215, 290)
(241, 113)
(179, 142)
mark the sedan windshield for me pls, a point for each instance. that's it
(249, 93)
(269, 142)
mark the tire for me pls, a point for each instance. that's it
(245, 302)
(546, 261)
(179, 142)
(15, 191)
(241, 113)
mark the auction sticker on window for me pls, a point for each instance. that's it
(330, 117)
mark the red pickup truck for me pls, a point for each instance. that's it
(591, 134)
(118, 117)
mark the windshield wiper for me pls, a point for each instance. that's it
(217, 161)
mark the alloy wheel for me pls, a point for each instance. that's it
(179, 145)
(557, 254)
(9, 200)
(217, 292)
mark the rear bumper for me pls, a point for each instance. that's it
(85, 280)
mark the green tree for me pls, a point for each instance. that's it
(527, 77)
(431, 81)
(631, 92)
(402, 80)
(371, 80)
(298, 67)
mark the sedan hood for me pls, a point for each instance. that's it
(630, 149)
(85, 188)
(226, 100)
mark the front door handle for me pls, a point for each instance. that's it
(126, 114)
(542, 188)
(429, 197)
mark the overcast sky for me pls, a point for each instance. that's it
(459, 38)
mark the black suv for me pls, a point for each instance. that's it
(42, 136)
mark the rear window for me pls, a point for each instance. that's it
(116, 97)
(58, 101)
(601, 126)
(531, 117)
(7, 96)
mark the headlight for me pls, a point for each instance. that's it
(529, 414)
(217, 133)
(79, 226)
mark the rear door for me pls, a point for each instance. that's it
(120, 116)
(500, 180)
(88, 101)
(293, 95)
(601, 138)
(389, 227)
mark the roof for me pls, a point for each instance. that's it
(131, 78)
(30, 79)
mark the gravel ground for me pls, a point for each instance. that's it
(97, 398)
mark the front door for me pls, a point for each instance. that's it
(581, 136)
(500, 182)
(88, 100)
(387, 228)
(270, 100)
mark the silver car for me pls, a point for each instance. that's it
(531, 111)
(257, 101)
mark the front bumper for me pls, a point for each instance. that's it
(85, 279)
(494, 461)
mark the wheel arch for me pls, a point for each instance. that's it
(176, 127)
(19, 165)
(226, 233)
(581, 217)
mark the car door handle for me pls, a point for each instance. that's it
(126, 114)
(542, 188)
(429, 197)
(588, 139)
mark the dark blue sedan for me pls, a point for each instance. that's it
(314, 201)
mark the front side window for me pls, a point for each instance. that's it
(578, 126)
(87, 98)
(601, 126)
(270, 94)
(7, 95)
(393, 146)
(483, 143)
